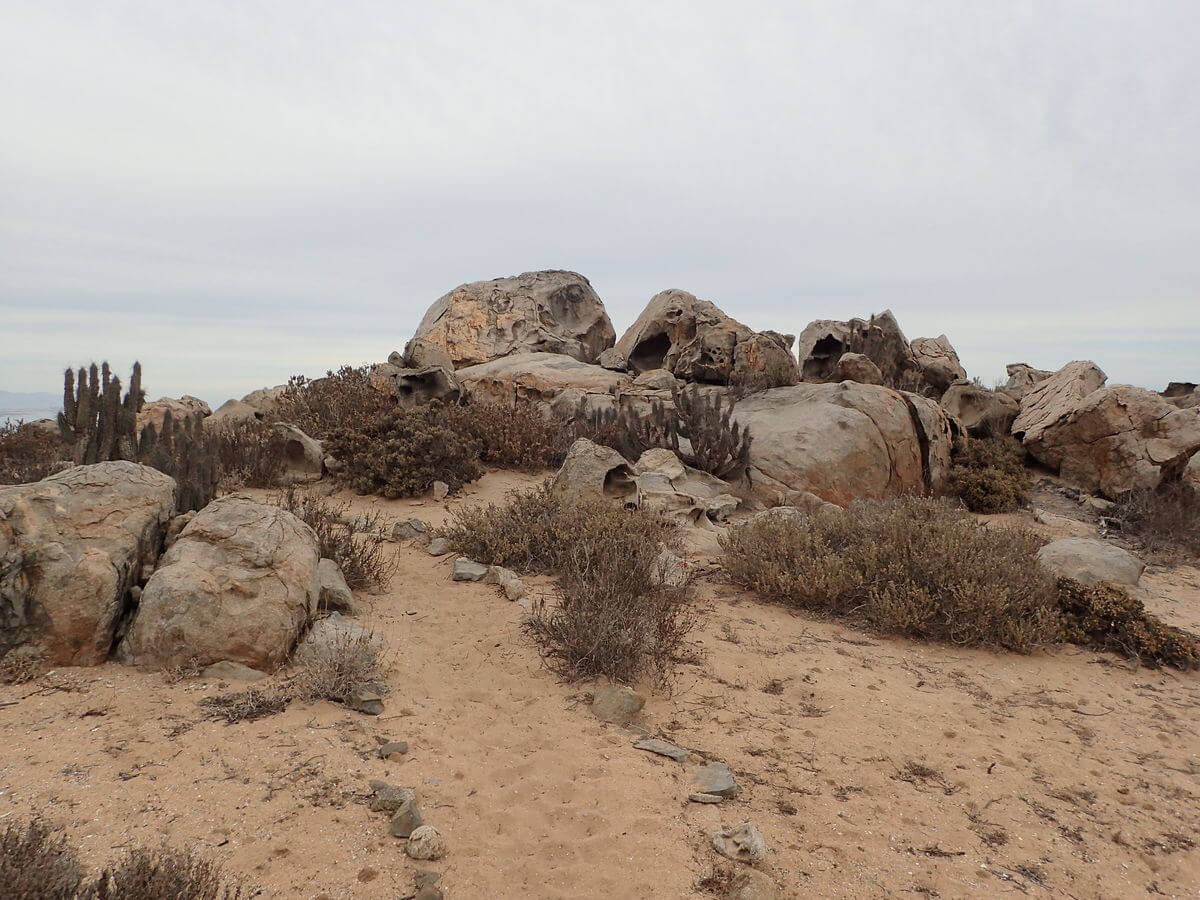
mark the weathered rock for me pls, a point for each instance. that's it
(1021, 379)
(741, 843)
(1052, 400)
(595, 470)
(663, 748)
(616, 703)
(665, 484)
(856, 367)
(468, 570)
(335, 594)
(509, 582)
(545, 312)
(392, 748)
(387, 798)
(1117, 439)
(439, 491)
(415, 386)
(176, 526)
(72, 547)
(694, 340)
(426, 842)
(155, 412)
(983, 413)
(366, 699)
(938, 362)
(304, 460)
(409, 529)
(421, 353)
(822, 344)
(656, 380)
(542, 379)
(406, 818)
(1192, 471)
(716, 779)
(438, 546)
(751, 884)
(260, 404)
(1091, 561)
(239, 584)
(1185, 401)
(842, 442)
(700, 797)
(231, 671)
(331, 634)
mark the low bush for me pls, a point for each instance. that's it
(989, 475)
(28, 452)
(1104, 617)
(353, 542)
(36, 863)
(256, 702)
(250, 454)
(341, 400)
(335, 670)
(913, 566)
(402, 453)
(165, 874)
(1165, 520)
(514, 435)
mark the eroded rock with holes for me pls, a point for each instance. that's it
(983, 413)
(240, 583)
(695, 341)
(592, 470)
(545, 312)
(822, 343)
(413, 386)
(937, 362)
(303, 457)
(72, 549)
(843, 442)
(665, 484)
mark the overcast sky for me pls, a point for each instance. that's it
(234, 192)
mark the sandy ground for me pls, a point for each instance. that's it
(874, 767)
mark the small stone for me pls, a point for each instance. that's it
(469, 570)
(407, 818)
(227, 670)
(426, 878)
(439, 546)
(616, 703)
(386, 797)
(365, 700)
(426, 842)
(742, 843)
(715, 778)
(513, 587)
(440, 491)
(752, 885)
(335, 593)
(392, 747)
(663, 748)
(409, 529)
(705, 798)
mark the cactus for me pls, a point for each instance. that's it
(186, 452)
(719, 445)
(95, 420)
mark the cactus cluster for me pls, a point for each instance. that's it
(96, 420)
(185, 451)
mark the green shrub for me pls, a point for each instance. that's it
(38, 864)
(989, 475)
(28, 452)
(402, 453)
(912, 566)
(1104, 617)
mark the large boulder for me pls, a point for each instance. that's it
(72, 548)
(938, 362)
(857, 367)
(550, 312)
(1091, 561)
(1021, 379)
(303, 456)
(1053, 399)
(981, 412)
(822, 343)
(593, 470)
(540, 378)
(155, 412)
(695, 341)
(240, 583)
(1117, 439)
(256, 405)
(843, 442)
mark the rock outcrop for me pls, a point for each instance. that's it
(154, 412)
(592, 470)
(856, 367)
(240, 583)
(981, 412)
(72, 549)
(542, 378)
(937, 362)
(842, 442)
(665, 484)
(1021, 379)
(822, 343)
(1053, 399)
(551, 312)
(695, 341)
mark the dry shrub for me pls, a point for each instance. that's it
(38, 864)
(403, 453)
(256, 702)
(514, 435)
(1165, 520)
(165, 874)
(28, 452)
(21, 665)
(913, 566)
(989, 474)
(249, 454)
(340, 400)
(353, 542)
(335, 670)
(1104, 617)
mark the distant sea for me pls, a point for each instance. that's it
(28, 407)
(26, 414)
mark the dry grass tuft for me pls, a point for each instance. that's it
(353, 542)
(1104, 617)
(914, 566)
(334, 671)
(38, 864)
(1165, 520)
(256, 702)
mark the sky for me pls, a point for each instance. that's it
(236, 192)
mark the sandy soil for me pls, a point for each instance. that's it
(874, 767)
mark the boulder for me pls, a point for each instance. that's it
(1184, 401)
(981, 412)
(695, 341)
(843, 442)
(822, 344)
(594, 470)
(1021, 378)
(1117, 439)
(328, 635)
(468, 570)
(1178, 389)
(72, 548)
(334, 593)
(1055, 398)
(260, 404)
(1091, 561)
(154, 412)
(537, 312)
(857, 367)
(616, 703)
(421, 353)
(938, 362)
(412, 386)
(664, 483)
(542, 379)
(240, 584)
(304, 459)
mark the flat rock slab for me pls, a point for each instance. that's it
(469, 570)
(663, 748)
(715, 778)
(705, 798)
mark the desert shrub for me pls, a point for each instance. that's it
(28, 452)
(21, 665)
(1104, 617)
(38, 864)
(1165, 519)
(912, 566)
(249, 453)
(256, 702)
(403, 453)
(353, 542)
(333, 671)
(341, 400)
(165, 874)
(988, 474)
(513, 435)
